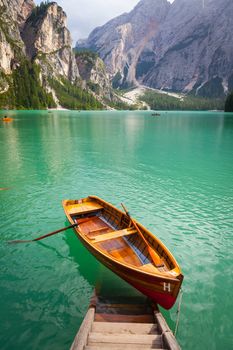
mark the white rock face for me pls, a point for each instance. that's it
(194, 47)
(92, 70)
(52, 33)
(48, 40)
(121, 41)
(17, 10)
(6, 54)
(12, 13)
(183, 46)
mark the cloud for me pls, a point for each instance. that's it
(85, 15)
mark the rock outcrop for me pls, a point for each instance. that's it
(121, 41)
(194, 49)
(48, 41)
(93, 71)
(184, 46)
(12, 14)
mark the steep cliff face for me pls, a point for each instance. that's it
(23, 9)
(93, 71)
(16, 10)
(121, 41)
(193, 50)
(48, 41)
(184, 46)
(12, 15)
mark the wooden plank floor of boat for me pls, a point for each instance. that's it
(117, 248)
(124, 323)
(94, 226)
(101, 235)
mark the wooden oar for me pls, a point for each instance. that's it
(154, 256)
(44, 236)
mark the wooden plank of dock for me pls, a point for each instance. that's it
(124, 323)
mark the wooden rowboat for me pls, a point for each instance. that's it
(109, 234)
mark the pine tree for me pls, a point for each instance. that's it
(229, 103)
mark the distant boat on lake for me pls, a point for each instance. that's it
(7, 119)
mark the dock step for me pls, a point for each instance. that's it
(119, 347)
(124, 328)
(150, 340)
(124, 325)
(106, 317)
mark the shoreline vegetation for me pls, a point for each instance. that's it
(229, 103)
(163, 101)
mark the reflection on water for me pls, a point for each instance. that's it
(174, 173)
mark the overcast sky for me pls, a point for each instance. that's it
(84, 15)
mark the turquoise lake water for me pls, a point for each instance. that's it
(175, 175)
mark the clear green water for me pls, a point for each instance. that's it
(174, 173)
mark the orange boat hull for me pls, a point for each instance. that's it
(7, 120)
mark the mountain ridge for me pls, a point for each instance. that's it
(187, 48)
(120, 41)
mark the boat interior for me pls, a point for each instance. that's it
(111, 231)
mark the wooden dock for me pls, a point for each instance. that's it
(123, 323)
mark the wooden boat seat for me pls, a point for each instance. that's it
(114, 234)
(83, 208)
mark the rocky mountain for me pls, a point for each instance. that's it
(194, 48)
(93, 71)
(38, 67)
(121, 41)
(185, 46)
(48, 41)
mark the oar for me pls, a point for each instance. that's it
(44, 236)
(154, 256)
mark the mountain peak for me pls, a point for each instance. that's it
(120, 41)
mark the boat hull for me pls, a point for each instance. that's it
(162, 291)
